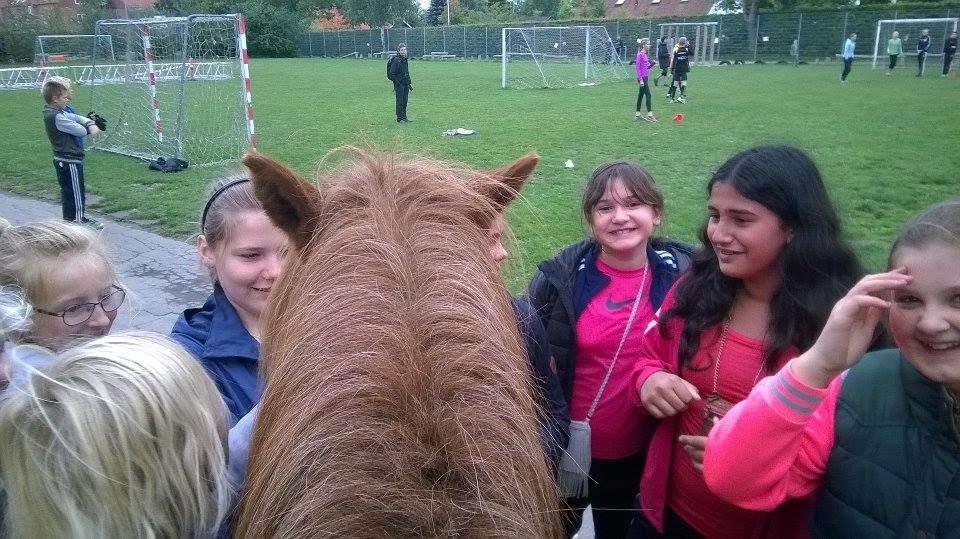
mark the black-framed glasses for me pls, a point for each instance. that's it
(81, 312)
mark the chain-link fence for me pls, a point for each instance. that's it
(769, 37)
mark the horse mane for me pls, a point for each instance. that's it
(397, 393)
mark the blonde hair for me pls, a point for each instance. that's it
(643, 41)
(120, 437)
(54, 87)
(30, 253)
(224, 205)
(14, 312)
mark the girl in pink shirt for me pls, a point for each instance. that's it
(644, 63)
(585, 296)
(876, 435)
(760, 290)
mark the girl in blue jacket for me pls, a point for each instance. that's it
(243, 251)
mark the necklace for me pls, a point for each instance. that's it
(716, 406)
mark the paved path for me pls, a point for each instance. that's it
(163, 275)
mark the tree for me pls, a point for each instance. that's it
(544, 8)
(329, 19)
(434, 11)
(378, 12)
(749, 10)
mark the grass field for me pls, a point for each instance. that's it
(887, 146)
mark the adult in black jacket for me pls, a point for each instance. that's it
(586, 296)
(399, 73)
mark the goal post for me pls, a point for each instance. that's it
(71, 49)
(558, 57)
(909, 30)
(175, 87)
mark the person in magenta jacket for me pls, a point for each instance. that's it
(758, 292)
(644, 63)
(889, 411)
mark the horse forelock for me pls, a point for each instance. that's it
(395, 377)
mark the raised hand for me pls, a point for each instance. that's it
(850, 328)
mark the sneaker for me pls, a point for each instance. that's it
(681, 99)
(638, 116)
(651, 118)
(92, 223)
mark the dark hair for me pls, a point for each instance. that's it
(817, 266)
(634, 177)
(939, 223)
(663, 39)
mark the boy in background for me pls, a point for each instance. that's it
(66, 130)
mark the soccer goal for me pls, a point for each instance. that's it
(558, 57)
(909, 30)
(175, 87)
(71, 49)
(703, 38)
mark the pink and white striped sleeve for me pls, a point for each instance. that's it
(774, 445)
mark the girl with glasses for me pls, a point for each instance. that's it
(65, 276)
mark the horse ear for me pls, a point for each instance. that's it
(511, 178)
(290, 201)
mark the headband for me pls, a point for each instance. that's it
(216, 194)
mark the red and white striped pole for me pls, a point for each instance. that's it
(247, 85)
(152, 82)
(42, 74)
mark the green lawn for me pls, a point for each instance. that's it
(887, 146)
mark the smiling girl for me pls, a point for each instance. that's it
(758, 292)
(66, 277)
(877, 434)
(243, 251)
(595, 298)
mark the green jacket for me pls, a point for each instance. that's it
(894, 471)
(895, 46)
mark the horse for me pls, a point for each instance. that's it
(397, 395)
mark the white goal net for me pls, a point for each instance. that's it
(72, 49)
(175, 87)
(558, 57)
(909, 31)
